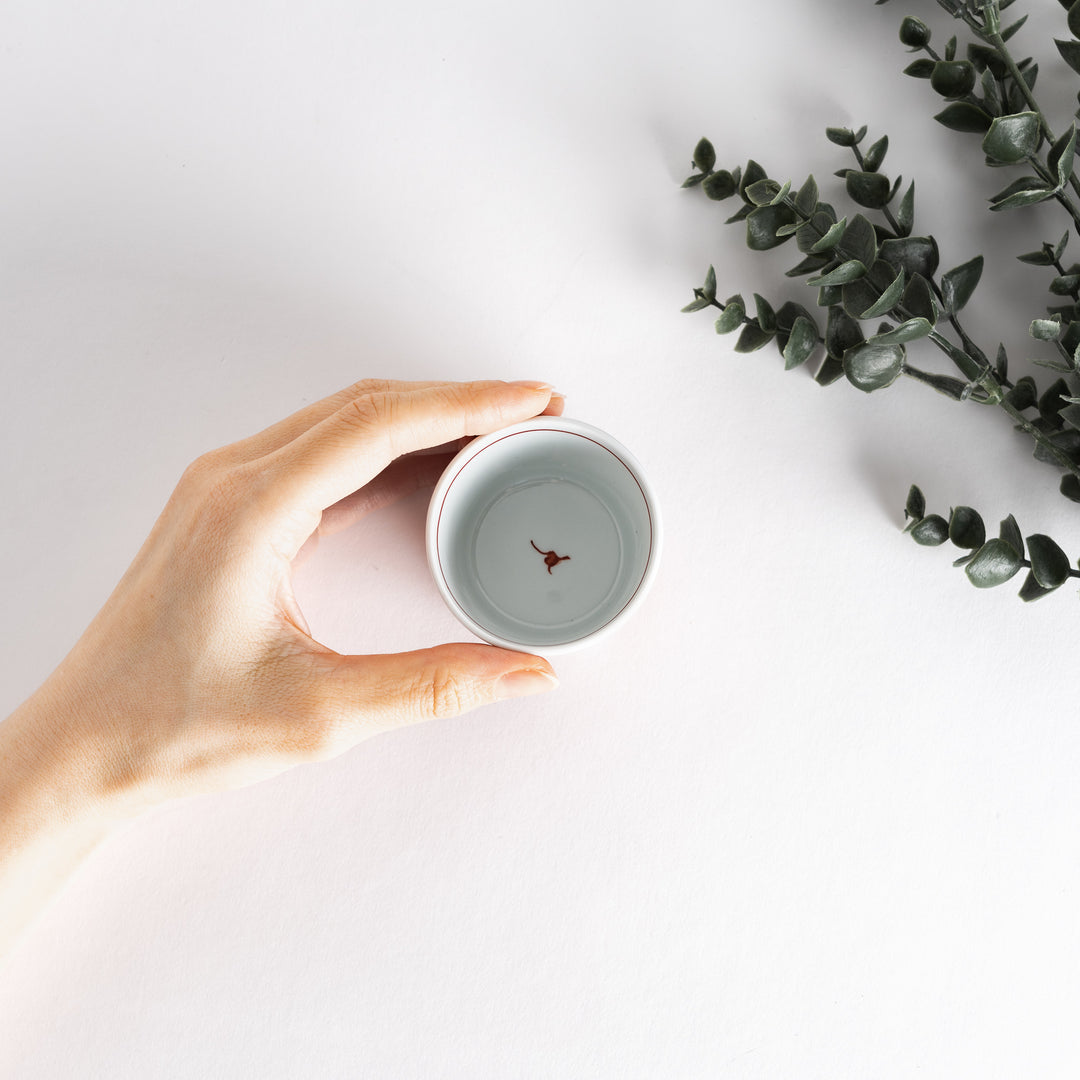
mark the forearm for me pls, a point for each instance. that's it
(53, 811)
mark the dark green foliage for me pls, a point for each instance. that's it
(873, 366)
(914, 33)
(953, 78)
(931, 531)
(993, 564)
(1049, 564)
(1012, 139)
(870, 265)
(958, 284)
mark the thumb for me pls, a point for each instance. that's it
(391, 690)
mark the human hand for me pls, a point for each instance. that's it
(200, 672)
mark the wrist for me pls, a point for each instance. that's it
(54, 776)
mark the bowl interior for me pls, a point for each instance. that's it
(543, 536)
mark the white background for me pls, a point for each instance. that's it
(813, 814)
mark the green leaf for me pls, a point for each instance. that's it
(953, 78)
(922, 68)
(1053, 399)
(720, 185)
(888, 299)
(868, 189)
(991, 94)
(1074, 19)
(807, 197)
(1032, 590)
(1065, 285)
(915, 507)
(919, 300)
(912, 254)
(993, 564)
(693, 180)
(709, 288)
(931, 531)
(831, 371)
(766, 317)
(1070, 53)
(910, 330)
(852, 270)
(871, 366)
(1024, 394)
(782, 194)
(1061, 157)
(1045, 329)
(761, 226)
(1027, 191)
(1010, 533)
(762, 192)
(830, 295)
(1070, 487)
(1001, 365)
(810, 265)
(1010, 30)
(704, 155)
(751, 175)
(914, 32)
(786, 316)
(875, 154)
(905, 212)
(956, 389)
(984, 58)
(963, 116)
(1038, 258)
(752, 338)
(959, 283)
(1013, 138)
(731, 318)
(801, 343)
(810, 232)
(1049, 564)
(860, 240)
(966, 528)
(831, 238)
(698, 304)
(840, 135)
(842, 332)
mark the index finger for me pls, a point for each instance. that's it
(353, 445)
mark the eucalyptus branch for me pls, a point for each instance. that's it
(882, 273)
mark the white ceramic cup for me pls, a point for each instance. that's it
(543, 536)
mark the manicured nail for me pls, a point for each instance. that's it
(532, 384)
(525, 682)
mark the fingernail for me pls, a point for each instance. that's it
(525, 682)
(532, 384)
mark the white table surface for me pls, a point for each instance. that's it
(813, 814)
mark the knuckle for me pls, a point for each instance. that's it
(447, 695)
(373, 416)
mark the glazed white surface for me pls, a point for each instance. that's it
(813, 813)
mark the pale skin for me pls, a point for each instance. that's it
(200, 672)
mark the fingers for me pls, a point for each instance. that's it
(284, 431)
(342, 452)
(414, 472)
(391, 691)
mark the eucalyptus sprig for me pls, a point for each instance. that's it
(869, 266)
